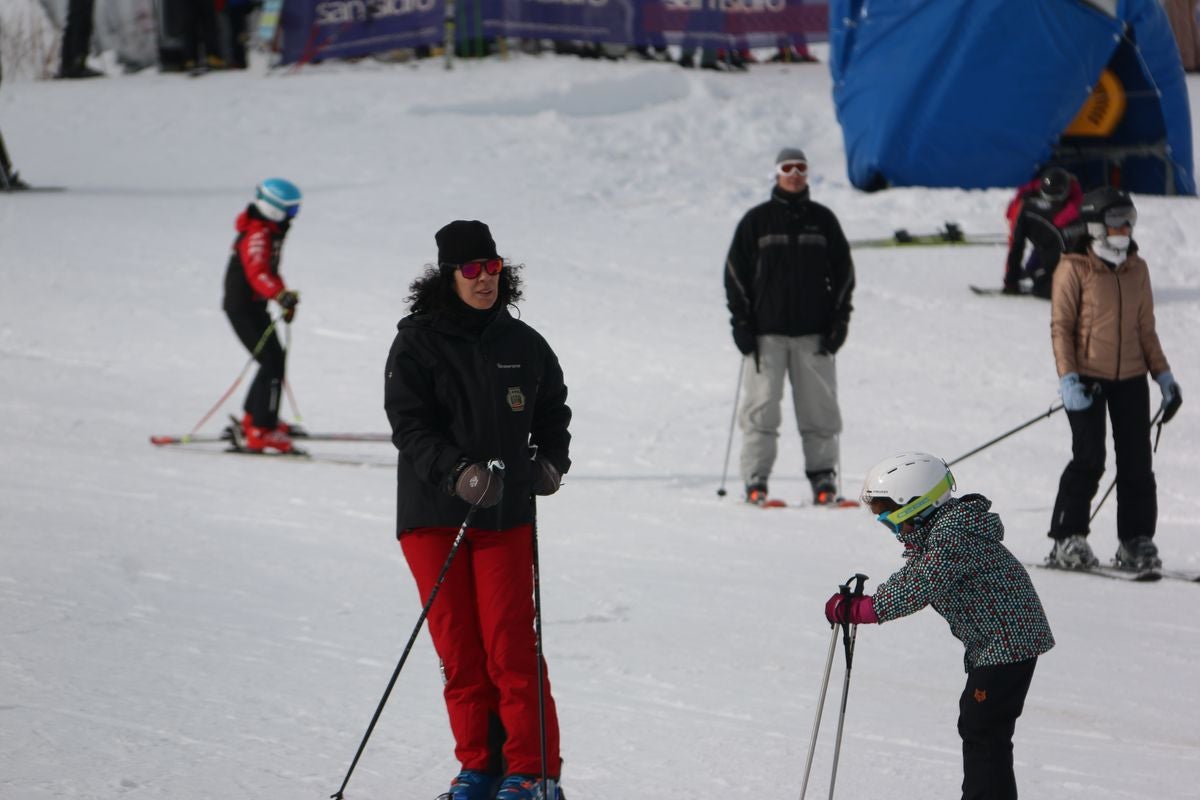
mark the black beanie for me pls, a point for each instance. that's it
(464, 240)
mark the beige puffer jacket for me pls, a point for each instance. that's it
(1102, 320)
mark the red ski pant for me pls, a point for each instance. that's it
(482, 628)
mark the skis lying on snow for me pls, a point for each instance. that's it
(1130, 575)
(951, 234)
(989, 291)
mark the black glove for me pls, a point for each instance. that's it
(744, 338)
(288, 300)
(546, 477)
(476, 483)
(833, 341)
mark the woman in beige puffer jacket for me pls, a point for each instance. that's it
(1103, 334)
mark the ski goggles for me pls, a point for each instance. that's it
(1120, 217)
(789, 167)
(894, 520)
(471, 269)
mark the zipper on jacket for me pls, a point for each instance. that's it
(1120, 323)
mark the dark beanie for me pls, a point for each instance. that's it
(464, 240)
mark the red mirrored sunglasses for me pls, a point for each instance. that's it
(471, 269)
(788, 167)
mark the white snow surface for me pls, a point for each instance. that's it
(191, 625)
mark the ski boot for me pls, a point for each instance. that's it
(1138, 554)
(258, 440)
(471, 784)
(526, 787)
(1072, 552)
(824, 488)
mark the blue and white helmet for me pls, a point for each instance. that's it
(277, 199)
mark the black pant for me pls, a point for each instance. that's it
(77, 36)
(262, 401)
(1128, 405)
(987, 717)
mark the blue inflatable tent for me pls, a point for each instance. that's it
(981, 93)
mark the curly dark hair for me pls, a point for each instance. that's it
(434, 290)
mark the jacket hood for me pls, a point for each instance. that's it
(969, 512)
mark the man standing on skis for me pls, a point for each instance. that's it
(788, 280)
(251, 279)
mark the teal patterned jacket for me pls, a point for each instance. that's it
(957, 564)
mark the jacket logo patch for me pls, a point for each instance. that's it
(516, 398)
(980, 695)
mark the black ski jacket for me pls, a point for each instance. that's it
(789, 269)
(1035, 224)
(451, 394)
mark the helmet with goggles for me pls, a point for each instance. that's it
(918, 483)
(1105, 210)
(1107, 207)
(277, 199)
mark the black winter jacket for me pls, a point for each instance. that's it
(789, 269)
(451, 393)
(1035, 224)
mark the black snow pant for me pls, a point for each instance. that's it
(251, 324)
(987, 717)
(77, 36)
(1127, 403)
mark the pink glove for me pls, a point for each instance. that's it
(862, 610)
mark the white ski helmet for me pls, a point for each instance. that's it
(917, 482)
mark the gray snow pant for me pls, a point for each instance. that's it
(814, 395)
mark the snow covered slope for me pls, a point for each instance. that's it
(189, 625)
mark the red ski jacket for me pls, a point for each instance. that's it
(253, 272)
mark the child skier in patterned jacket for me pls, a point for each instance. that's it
(956, 563)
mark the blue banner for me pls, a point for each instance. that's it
(317, 29)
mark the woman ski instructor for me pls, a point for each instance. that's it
(477, 406)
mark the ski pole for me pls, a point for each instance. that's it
(849, 633)
(237, 381)
(1111, 486)
(812, 741)
(437, 585)
(1045, 415)
(737, 393)
(287, 385)
(547, 790)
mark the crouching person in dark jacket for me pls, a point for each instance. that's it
(478, 411)
(955, 561)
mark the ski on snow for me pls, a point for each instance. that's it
(994, 291)
(774, 502)
(225, 436)
(1128, 575)
(951, 234)
(231, 436)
